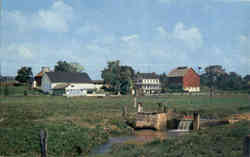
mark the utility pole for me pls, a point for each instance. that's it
(1, 77)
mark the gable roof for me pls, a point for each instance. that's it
(178, 72)
(148, 75)
(40, 74)
(69, 77)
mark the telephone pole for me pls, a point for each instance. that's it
(1, 77)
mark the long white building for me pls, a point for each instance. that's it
(67, 83)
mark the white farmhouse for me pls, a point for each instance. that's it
(149, 83)
(67, 83)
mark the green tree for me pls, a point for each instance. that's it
(246, 80)
(216, 77)
(234, 81)
(164, 82)
(119, 78)
(64, 66)
(24, 74)
(77, 66)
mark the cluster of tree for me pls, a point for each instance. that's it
(64, 66)
(164, 82)
(118, 77)
(24, 74)
(215, 76)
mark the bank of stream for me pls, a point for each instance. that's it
(138, 137)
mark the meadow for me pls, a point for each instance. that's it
(76, 125)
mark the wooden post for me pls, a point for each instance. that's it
(135, 103)
(43, 142)
(246, 147)
(196, 123)
(125, 111)
(140, 108)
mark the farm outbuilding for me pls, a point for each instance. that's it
(186, 78)
(67, 83)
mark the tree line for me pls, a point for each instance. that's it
(119, 78)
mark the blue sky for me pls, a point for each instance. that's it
(150, 35)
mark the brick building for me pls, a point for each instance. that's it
(186, 78)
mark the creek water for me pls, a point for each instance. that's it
(139, 137)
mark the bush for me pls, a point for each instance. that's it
(25, 93)
(6, 91)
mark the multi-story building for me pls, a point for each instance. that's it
(186, 78)
(148, 83)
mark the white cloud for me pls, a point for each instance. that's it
(192, 36)
(25, 52)
(17, 19)
(57, 18)
(20, 50)
(162, 31)
(243, 38)
(87, 28)
(129, 37)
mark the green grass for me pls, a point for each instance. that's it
(223, 141)
(76, 125)
(19, 90)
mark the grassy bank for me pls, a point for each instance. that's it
(76, 125)
(223, 141)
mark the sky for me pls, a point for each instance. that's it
(149, 35)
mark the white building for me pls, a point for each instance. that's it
(149, 83)
(67, 83)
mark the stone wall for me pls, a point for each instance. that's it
(156, 121)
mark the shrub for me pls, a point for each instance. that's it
(6, 91)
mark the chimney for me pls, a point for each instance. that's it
(45, 69)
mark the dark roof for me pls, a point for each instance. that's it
(148, 75)
(178, 72)
(98, 81)
(69, 77)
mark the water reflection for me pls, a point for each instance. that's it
(139, 137)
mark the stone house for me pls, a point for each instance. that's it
(148, 83)
(67, 83)
(186, 78)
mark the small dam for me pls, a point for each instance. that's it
(151, 120)
(160, 120)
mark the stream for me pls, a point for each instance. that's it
(139, 137)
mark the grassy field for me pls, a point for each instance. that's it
(76, 125)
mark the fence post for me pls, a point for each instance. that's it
(139, 107)
(43, 142)
(135, 103)
(246, 147)
(125, 110)
(196, 123)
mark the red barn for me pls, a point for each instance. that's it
(186, 78)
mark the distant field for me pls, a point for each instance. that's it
(84, 122)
